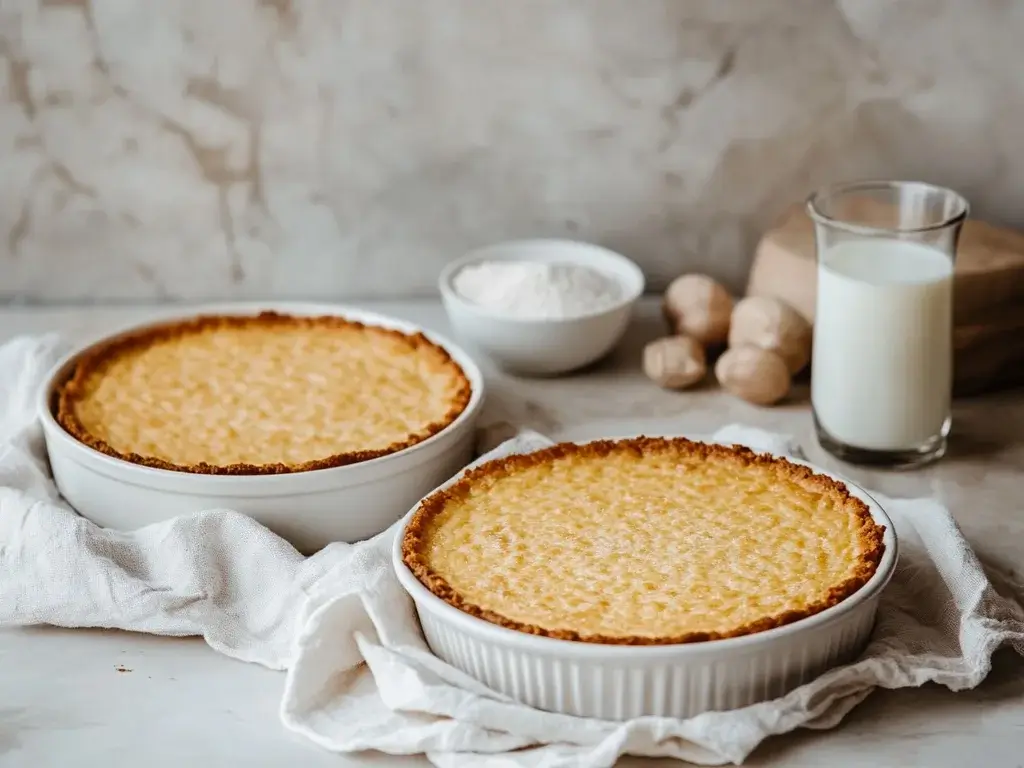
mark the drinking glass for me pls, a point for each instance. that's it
(882, 365)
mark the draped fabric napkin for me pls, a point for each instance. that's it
(359, 675)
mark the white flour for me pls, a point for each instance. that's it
(537, 290)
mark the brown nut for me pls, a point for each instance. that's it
(696, 305)
(756, 375)
(675, 362)
(759, 321)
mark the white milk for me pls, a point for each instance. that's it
(882, 371)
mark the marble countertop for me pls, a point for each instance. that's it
(111, 698)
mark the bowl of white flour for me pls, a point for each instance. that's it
(541, 307)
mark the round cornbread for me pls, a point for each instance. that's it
(643, 541)
(260, 394)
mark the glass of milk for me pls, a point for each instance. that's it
(882, 366)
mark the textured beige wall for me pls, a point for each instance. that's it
(350, 147)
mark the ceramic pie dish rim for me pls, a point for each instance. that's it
(69, 392)
(506, 637)
(229, 484)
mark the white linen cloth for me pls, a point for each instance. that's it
(252, 597)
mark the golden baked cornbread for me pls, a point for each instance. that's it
(260, 394)
(643, 541)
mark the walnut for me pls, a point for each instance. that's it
(697, 306)
(675, 362)
(759, 321)
(756, 375)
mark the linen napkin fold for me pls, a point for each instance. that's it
(359, 675)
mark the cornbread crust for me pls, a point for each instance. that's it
(416, 537)
(73, 389)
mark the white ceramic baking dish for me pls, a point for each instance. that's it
(309, 509)
(614, 682)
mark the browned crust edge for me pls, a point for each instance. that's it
(68, 392)
(417, 531)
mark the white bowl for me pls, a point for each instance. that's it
(543, 346)
(617, 682)
(309, 509)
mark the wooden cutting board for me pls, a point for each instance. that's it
(988, 294)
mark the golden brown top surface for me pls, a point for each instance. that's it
(642, 541)
(264, 394)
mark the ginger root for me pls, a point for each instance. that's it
(675, 362)
(698, 306)
(772, 325)
(759, 376)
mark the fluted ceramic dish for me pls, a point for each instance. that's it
(622, 682)
(309, 509)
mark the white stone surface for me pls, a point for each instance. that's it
(105, 698)
(338, 148)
